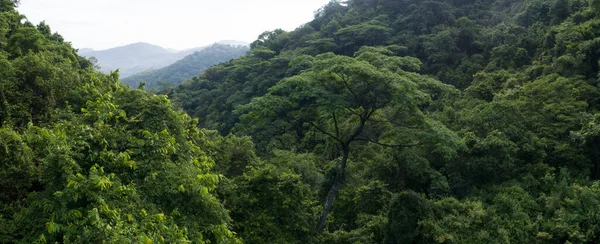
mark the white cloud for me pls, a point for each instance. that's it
(179, 24)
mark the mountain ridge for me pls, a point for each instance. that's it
(138, 57)
(187, 67)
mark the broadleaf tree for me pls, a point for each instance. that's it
(373, 97)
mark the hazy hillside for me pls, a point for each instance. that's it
(138, 57)
(233, 43)
(188, 67)
(85, 50)
(133, 58)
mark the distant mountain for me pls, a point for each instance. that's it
(133, 58)
(139, 57)
(188, 67)
(85, 50)
(234, 43)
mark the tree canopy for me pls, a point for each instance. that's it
(379, 121)
(472, 113)
(84, 159)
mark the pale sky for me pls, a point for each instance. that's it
(178, 24)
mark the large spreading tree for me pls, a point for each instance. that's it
(373, 97)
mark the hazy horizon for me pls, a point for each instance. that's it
(167, 48)
(104, 24)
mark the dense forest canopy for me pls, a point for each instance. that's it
(380, 121)
(84, 159)
(425, 121)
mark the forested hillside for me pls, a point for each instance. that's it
(380, 121)
(409, 121)
(84, 159)
(186, 68)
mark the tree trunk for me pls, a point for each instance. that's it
(334, 189)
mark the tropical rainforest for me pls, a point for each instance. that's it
(380, 121)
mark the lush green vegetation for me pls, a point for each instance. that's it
(84, 159)
(380, 121)
(186, 68)
(415, 122)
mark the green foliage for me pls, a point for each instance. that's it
(518, 103)
(18, 164)
(326, 99)
(83, 159)
(38, 72)
(283, 206)
(346, 112)
(595, 5)
(123, 169)
(406, 210)
(372, 33)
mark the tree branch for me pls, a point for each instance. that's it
(393, 123)
(357, 131)
(352, 111)
(371, 112)
(389, 145)
(345, 80)
(325, 132)
(337, 130)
